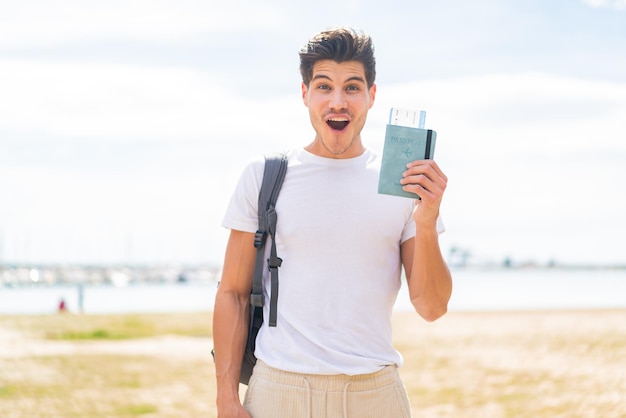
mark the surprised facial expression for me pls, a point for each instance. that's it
(338, 100)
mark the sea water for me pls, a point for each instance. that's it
(474, 290)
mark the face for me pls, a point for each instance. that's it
(338, 100)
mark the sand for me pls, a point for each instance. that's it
(497, 364)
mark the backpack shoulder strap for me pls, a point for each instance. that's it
(273, 176)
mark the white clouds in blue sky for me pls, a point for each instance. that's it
(124, 125)
(609, 4)
(58, 22)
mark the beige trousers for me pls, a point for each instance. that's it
(274, 393)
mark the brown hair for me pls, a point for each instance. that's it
(339, 45)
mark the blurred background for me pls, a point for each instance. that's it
(124, 126)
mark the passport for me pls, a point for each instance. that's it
(402, 145)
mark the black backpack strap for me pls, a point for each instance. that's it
(274, 262)
(273, 176)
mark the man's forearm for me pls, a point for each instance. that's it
(430, 284)
(230, 323)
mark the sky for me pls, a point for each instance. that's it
(124, 125)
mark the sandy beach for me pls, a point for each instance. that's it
(488, 365)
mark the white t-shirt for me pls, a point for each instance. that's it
(340, 245)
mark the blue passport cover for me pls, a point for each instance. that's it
(403, 145)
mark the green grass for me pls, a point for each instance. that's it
(136, 410)
(79, 384)
(542, 365)
(7, 391)
(111, 327)
(97, 334)
(107, 386)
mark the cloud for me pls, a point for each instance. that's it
(121, 102)
(606, 4)
(506, 111)
(45, 23)
(115, 101)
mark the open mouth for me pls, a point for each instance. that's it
(338, 124)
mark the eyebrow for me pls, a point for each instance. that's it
(325, 77)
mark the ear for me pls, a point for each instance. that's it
(372, 95)
(305, 91)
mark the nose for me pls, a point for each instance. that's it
(338, 100)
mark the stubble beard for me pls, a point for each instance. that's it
(338, 149)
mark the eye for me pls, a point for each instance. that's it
(353, 87)
(323, 87)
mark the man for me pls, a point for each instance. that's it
(343, 246)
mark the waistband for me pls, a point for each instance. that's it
(336, 382)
